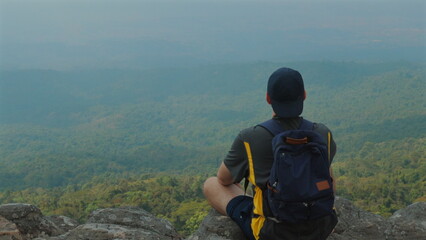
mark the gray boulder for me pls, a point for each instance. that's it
(355, 223)
(24, 221)
(217, 227)
(9, 230)
(29, 220)
(63, 223)
(126, 223)
(408, 223)
(102, 231)
(136, 218)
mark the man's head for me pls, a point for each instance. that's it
(286, 92)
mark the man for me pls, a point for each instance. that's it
(251, 157)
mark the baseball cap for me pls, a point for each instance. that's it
(287, 92)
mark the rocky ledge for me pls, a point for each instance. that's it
(20, 221)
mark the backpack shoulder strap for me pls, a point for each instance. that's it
(308, 125)
(272, 126)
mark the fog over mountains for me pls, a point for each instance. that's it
(144, 34)
(115, 103)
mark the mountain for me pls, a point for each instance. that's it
(59, 128)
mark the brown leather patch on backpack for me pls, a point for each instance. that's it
(323, 185)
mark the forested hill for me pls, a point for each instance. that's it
(60, 128)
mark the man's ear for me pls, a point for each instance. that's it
(268, 98)
(304, 96)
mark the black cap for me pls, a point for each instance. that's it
(287, 92)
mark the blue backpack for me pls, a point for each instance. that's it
(300, 187)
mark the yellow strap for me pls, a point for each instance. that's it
(252, 178)
(257, 222)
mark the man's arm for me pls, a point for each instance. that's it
(224, 175)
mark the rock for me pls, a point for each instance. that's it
(29, 220)
(63, 223)
(217, 227)
(355, 223)
(408, 223)
(101, 231)
(122, 223)
(134, 217)
(24, 221)
(8, 230)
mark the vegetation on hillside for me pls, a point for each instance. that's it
(176, 198)
(61, 131)
(384, 177)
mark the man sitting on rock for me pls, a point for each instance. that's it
(251, 158)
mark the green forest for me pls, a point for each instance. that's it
(176, 198)
(75, 141)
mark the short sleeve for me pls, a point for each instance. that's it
(236, 160)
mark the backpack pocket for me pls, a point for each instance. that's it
(296, 212)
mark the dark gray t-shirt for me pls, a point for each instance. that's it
(260, 141)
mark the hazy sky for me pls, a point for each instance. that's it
(139, 34)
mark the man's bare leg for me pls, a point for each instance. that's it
(219, 195)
